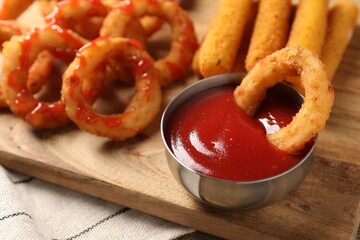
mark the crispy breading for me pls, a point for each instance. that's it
(341, 22)
(219, 49)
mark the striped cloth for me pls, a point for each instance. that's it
(33, 209)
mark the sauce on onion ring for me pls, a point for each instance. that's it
(144, 104)
(19, 55)
(184, 43)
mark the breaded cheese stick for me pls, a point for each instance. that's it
(239, 64)
(309, 27)
(341, 22)
(271, 30)
(222, 41)
(11, 9)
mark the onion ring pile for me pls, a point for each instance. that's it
(78, 15)
(144, 105)
(184, 42)
(72, 35)
(19, 53)
(319, 94)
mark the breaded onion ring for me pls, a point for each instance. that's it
(82, 16)
(184, 43)
(86, 18)
(8, 28)
(19, 54)
(11, 9)
(318, 100)
(149, 23)
(143, 106)
(39, 72)
(3, 103)
(47, 6)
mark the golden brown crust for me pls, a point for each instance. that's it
(319, 95)
(270, 31)
(11, 9)
(184, 43)
(341, 22)
(143, 106)
(239, 64)
(309, 27)
(222, 41)
(39, 72)
(18, 60)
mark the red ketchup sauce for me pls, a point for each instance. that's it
(212, 135)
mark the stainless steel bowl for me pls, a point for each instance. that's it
(241, 195)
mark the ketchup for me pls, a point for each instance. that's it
(212, 135)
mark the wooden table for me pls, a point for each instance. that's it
(134, 173)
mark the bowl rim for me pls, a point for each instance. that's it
(232, 78)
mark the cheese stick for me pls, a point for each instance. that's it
(271, 30)
(341, 22)
(219, 49)
(309, 27)
(239, 64)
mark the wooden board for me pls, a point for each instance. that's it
(135, 173)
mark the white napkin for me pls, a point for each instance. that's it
(33, 209)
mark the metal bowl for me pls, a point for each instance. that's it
(240, 195)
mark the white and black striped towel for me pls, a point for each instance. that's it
(33, 209)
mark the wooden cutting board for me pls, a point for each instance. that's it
(135, 173)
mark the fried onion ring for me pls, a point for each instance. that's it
(8, 28)
(47, 6)
(143, 106)
(39, 71)
(150, 24)
(11, 9)
(184, 42)
(78, 15)
(19, 54)
(3, 103)
(318, 100)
